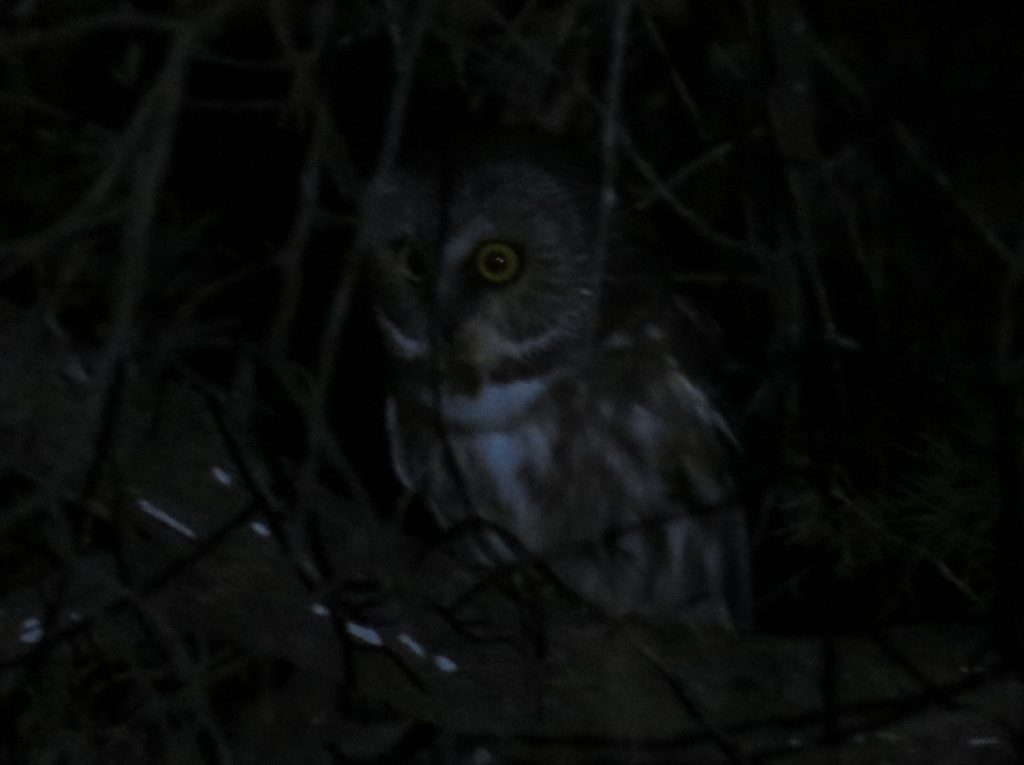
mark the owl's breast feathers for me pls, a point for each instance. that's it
(620, 474)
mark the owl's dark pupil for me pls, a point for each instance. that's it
(497, 262)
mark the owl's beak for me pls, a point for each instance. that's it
(477, 344)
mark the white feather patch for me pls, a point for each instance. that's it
(496, 406)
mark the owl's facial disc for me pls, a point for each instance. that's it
(492, 284)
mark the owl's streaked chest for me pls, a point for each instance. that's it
(527, 456)
(507, 473)
(615, 477)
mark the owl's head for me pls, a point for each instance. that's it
(486, 267)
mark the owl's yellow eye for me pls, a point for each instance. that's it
(497, 262)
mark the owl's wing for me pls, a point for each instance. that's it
(701, 553)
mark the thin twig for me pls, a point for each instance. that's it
(611, 121)
(407, 55)
(12, 42)
(1013, 259)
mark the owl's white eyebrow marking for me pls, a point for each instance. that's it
(524, 349)
(499, 345)
(402, 346)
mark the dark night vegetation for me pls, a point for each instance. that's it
(204, 555)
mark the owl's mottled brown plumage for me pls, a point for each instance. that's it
(539, 382)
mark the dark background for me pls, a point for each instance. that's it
(838, 185)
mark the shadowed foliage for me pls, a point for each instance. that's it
(204, 554)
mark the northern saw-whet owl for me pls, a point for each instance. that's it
(542, 386)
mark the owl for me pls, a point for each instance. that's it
(543, 384)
